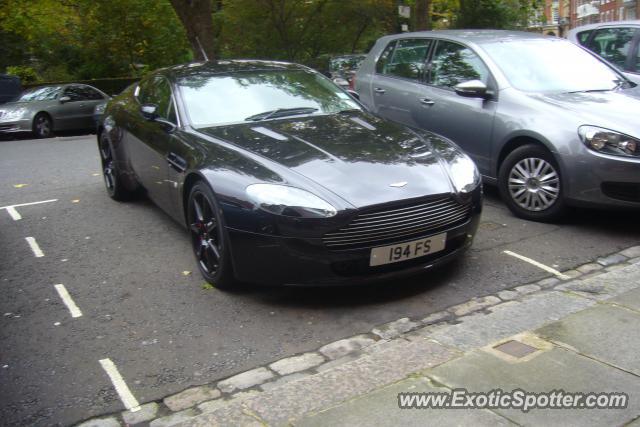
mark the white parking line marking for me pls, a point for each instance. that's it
(11, 209)
(125, 394)
(29, 204)
(538, 264)
(68, 301)
(34, 247)
(14, 213)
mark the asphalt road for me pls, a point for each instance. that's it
(126, 266)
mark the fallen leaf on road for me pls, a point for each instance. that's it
(207, 286)
(75, 200)
(20, 185)
(95, 174)
(186, 273)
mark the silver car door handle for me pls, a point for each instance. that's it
(379, 90)
(426, 101)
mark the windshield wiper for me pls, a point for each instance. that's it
(619, 84)
(281, 112)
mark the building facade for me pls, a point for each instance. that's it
(562, 15)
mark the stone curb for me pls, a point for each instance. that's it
(258, 385)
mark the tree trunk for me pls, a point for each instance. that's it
(422, 15)
(196, 17)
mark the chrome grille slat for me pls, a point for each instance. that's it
(431, 203)
(395, 223)
(405, 218)
(394, 233)
(398, 225)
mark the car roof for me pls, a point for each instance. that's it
(227, 67)
(474, 36)
(631, 23)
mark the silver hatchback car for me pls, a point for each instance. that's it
(545, 120)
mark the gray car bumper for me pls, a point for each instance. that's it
(596, 179)
(23, 125)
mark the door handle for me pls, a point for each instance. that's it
(379, 90)
(426, 101)
(176, 162)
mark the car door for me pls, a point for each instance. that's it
(149, 142)
(467, 121)
(397, 87)
(70, 112)
(93, 97)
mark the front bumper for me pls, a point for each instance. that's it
(601, 180)
(15, 126)
(272, 260)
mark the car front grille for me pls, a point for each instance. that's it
(390, 224)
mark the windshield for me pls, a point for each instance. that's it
(548, 65)
(46, 93)
(213, 100)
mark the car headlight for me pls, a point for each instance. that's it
(464, 174)
(13, 114)
(289, 201)
(609, 142)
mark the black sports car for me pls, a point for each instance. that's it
(282, 177)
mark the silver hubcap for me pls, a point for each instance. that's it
(43, 126)
(534, 184)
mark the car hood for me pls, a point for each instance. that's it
(614, 110)
(363, 159)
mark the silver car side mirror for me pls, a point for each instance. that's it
(471, 89)
(149, 111)
(64, 99)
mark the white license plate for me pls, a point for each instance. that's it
(408, 250)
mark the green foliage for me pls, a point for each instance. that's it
(27, 74)
(499, 14)
(85, 39)
(79, 39)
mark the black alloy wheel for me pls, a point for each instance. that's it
(112, 180)
(42, 126)
(208, 237)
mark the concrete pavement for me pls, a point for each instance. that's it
(580, 335)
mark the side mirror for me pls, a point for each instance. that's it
(341, 81)
(472, 89)
(64, 99)
(353, 93)
(149, 111)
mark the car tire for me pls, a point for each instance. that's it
(110, 173)
(209, 238)
(530, 183)
(42, 126)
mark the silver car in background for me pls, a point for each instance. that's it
(44, 110)
(616, 41)
(545, 120)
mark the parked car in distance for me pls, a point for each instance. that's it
(282, 178)
(544, 119)
(44, 110)
(342, 68)
(10, 88)
(616, 41)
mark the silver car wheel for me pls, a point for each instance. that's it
(43, 126)
(534, 184)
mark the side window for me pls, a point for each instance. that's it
(583, 37)
(408, 59)
(91, 93)
(385, 57)
(75, 93)
(613, 44)
(635, 63)
(453, 63)
(158, 91)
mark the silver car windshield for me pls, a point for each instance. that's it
(548, 65)
(46, 93)
(213, 100)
